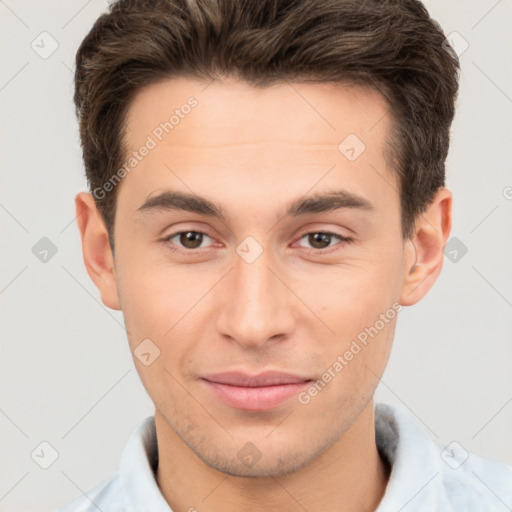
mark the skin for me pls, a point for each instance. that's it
(252, 152)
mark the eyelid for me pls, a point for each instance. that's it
(343, 240)
(167, 239)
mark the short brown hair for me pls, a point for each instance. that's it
(391, 45)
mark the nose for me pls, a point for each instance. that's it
(254, 305)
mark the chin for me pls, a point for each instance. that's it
(277, 465)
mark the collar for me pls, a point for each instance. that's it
(414, 483)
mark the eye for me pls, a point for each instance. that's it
(322, 240)
(318, 240)
(188, 239)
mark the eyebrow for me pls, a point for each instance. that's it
(317, 203)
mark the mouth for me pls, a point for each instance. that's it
(260, 392)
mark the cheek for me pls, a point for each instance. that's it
(360, 304)
(145, 307)
(156, 308)
(152, 301)
(165, 305)
(352, 300)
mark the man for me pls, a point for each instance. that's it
(267, 193)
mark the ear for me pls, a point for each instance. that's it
(96, 250)
(424, 251)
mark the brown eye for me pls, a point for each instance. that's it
(187, 239)
(321, 240)
(191, 239)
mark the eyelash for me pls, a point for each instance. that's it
(343, 241)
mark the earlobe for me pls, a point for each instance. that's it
(424, 252)
(96, 249)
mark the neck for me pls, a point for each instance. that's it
(348, 476)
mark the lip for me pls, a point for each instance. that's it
(260, 392)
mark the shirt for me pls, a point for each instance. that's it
(425, 477)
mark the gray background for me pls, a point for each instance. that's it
(67, 374)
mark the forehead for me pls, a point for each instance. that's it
(213, 138)
(233, 111)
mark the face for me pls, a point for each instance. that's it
(288, 256)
